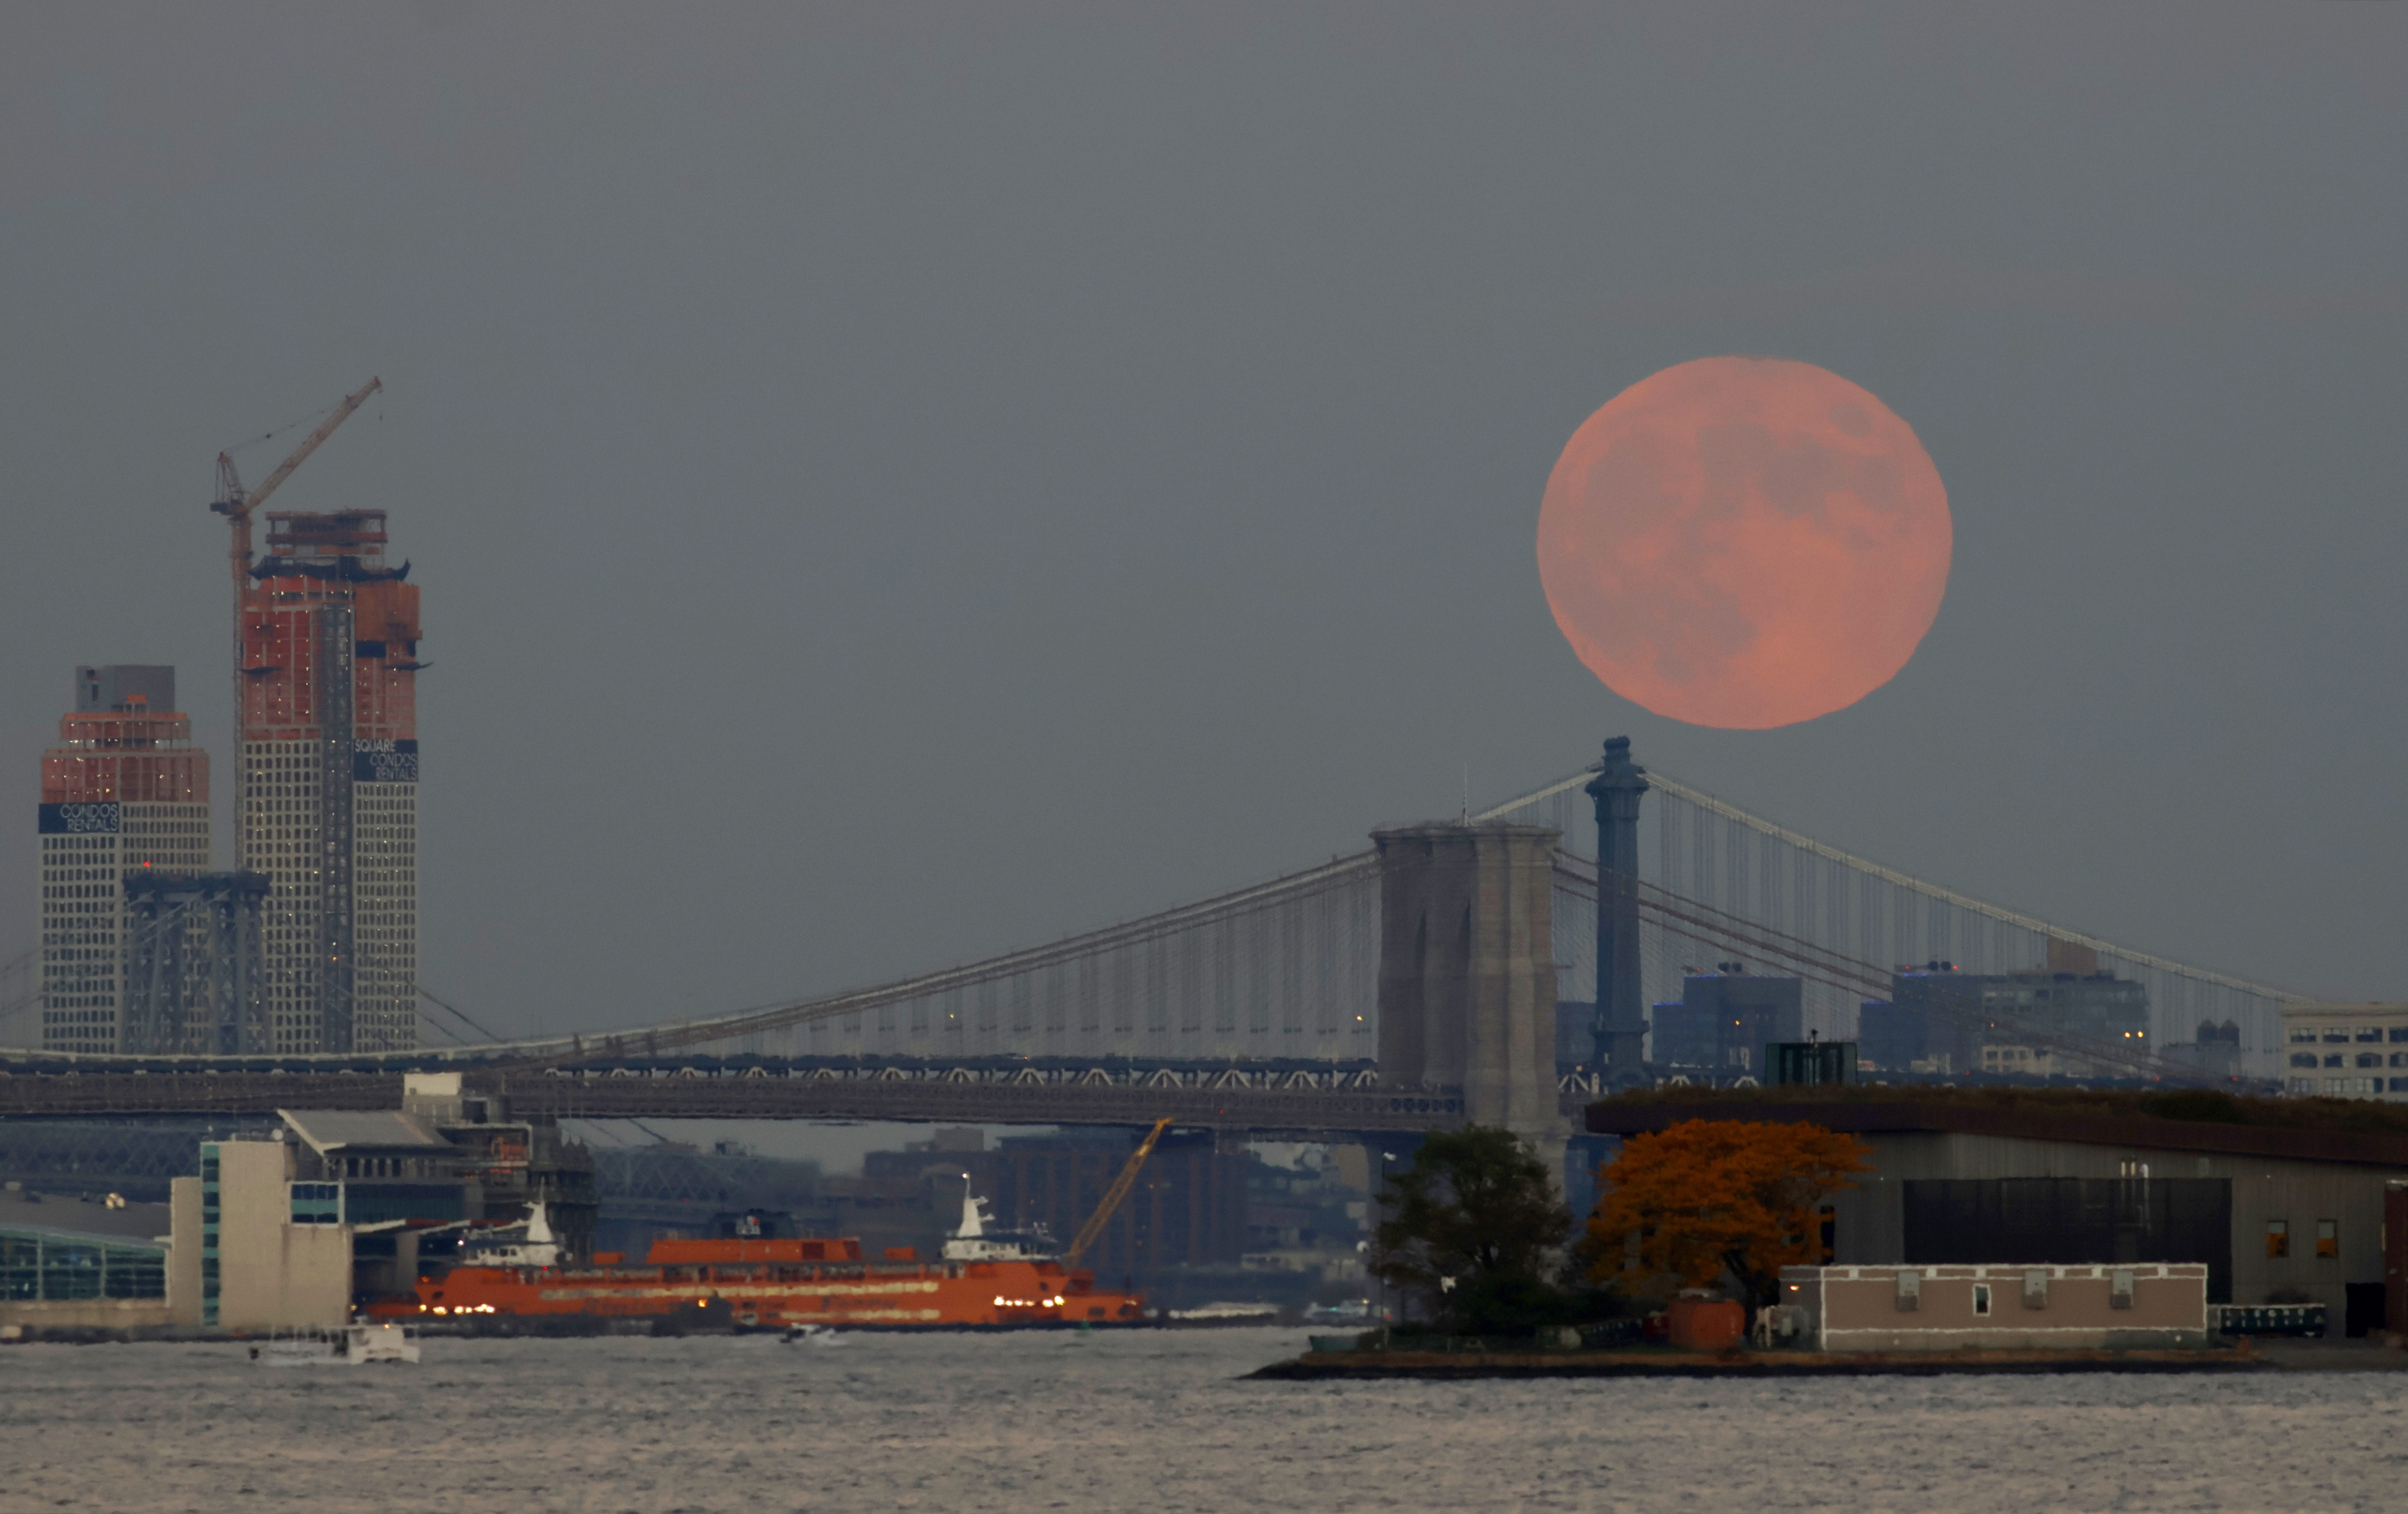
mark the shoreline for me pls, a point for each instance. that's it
(1317, 1367)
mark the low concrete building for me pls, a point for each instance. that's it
(1897, 1308)
(258, 1269)
(292, 1230)
(293, 1227)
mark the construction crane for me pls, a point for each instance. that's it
(237, 504)
(1094, 1228)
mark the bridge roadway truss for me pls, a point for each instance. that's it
(1257, 1105)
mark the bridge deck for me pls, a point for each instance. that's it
(1254, 1111)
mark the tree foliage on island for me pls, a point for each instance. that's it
(1475, 1228)
(1709, 1195)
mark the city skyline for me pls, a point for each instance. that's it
(1039, 487)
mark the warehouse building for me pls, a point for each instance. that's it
(2276, 1214)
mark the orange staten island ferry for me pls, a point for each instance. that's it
(983, 1280)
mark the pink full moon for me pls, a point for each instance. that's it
(1744, 542)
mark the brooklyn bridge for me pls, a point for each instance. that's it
(1408, 986)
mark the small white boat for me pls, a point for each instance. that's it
(810, 1335)
(1227, 1313)
(357, 1345)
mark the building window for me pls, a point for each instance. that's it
(2370, 1059)
(2329, 1239)
(2303, 1058)
(1980, 1298)
(2336, 1032)
(2400, 1032)
(2336, 1060)
(2278, 1239)
(2369, 1032)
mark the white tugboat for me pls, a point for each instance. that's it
(972, 1242)
(352, 1344)
(534, 1246)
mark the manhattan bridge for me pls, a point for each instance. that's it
(1260, 1010)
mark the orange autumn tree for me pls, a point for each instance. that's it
(1708, 1195)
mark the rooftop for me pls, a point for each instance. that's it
(2190, 1119)
(359, 1130)
(324, 535)
(2369, 1010)
(68, 1214)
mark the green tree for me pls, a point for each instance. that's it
(1474, 1228)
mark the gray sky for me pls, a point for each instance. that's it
(894, 483)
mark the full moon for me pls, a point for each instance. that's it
(1744, 542)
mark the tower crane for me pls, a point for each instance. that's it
(1094, 1228)
(237, 504)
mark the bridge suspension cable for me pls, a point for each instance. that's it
(1711, 850)
(1287, 969)
(1075, 956)
(1697, 920)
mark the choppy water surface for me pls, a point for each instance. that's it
(1153, 1421)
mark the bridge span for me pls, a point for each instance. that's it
(1373, 958)
(1235, 1102)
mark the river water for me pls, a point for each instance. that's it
(1153, 1421)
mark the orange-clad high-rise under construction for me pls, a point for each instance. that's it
(326, 781)
(125, 790)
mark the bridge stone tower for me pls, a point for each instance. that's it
(1467, 969)
(1621, 1022)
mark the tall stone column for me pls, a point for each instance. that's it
(1621, 1017)
(1467, 969)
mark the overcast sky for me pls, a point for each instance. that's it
(893, 483)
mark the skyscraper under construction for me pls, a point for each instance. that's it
(326, 779)
(123, 792)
